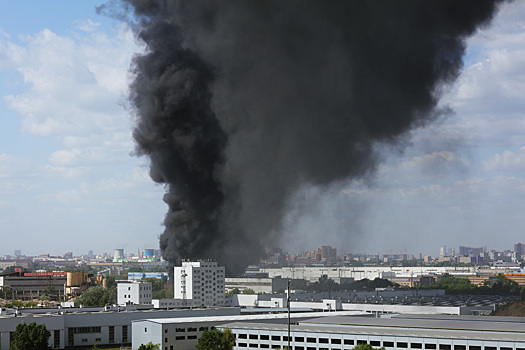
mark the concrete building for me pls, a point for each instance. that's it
(404, 332)
(258, 285)
(29, 285)
(137, 276)
(182, 333)
(136, 292)
(312, 274)
(85, 327)
(200, 283)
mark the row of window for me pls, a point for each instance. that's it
(182, 337)
(267, 346)
(386, 344)
(83, 330)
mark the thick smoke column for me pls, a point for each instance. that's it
(241, 102)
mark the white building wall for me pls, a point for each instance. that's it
(134, 293)
(199, 283)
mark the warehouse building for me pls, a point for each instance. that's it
(395, 333)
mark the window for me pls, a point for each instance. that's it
(479, 348)
(242, 345)
(166, 330)
(165, 340)
(402, 345)
(124, 334)
(419, 346)
(265, 346)
(276, 337)
(111, 334)
(56, 339)
(299, 348)
(179, 330)
(464, 347)
(254, 345)
(192, 337)
(490, 348)
(265, 337)
(311, 340)
(351, 342)
(323, 340)
(254, 336)
(336, 341)
(180, 337)
(448, 347)
(501, 348)
(432, 346)
(376, 343)
(243, 336)
(363, 342)
(299, 339)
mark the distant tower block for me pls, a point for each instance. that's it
(119, 254)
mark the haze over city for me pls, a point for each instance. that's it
(70, 181)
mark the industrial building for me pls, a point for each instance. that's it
(199, 284)
(396, 333)
(92, 326)
(312, 273)
(182, 333)
(258, 285)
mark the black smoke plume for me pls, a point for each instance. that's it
(241, 102)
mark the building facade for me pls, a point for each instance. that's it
(136, 292)
(199, 283)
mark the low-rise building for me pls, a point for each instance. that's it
(134, 292)
(395, 333)
(258, 285)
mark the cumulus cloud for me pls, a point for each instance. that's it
(506, 161)
(74, 83)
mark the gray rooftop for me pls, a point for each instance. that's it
(417, 328)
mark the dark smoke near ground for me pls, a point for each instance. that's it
(240, 103)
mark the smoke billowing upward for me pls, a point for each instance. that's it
(240, 103)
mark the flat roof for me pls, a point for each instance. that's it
(238, 318)
(365, 329)
(482, 323)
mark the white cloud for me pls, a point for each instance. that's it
(75, 84)
(87, 25)
(506, 161)
(16, 167)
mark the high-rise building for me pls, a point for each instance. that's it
(18, 252)
(199, 283)
(519, 249)
(469, 251)
(443, 251)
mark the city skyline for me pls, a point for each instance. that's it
(69, 178)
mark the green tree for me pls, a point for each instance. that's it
(233, 291)
(215, 339)
(248, 291)
(30, 337)
(366, 347)
(95, 296)
(149, 346)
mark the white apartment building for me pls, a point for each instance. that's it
(199, 283)
(134, 293)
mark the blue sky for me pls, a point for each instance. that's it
(69, 181)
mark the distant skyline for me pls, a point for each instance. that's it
(69, 180)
